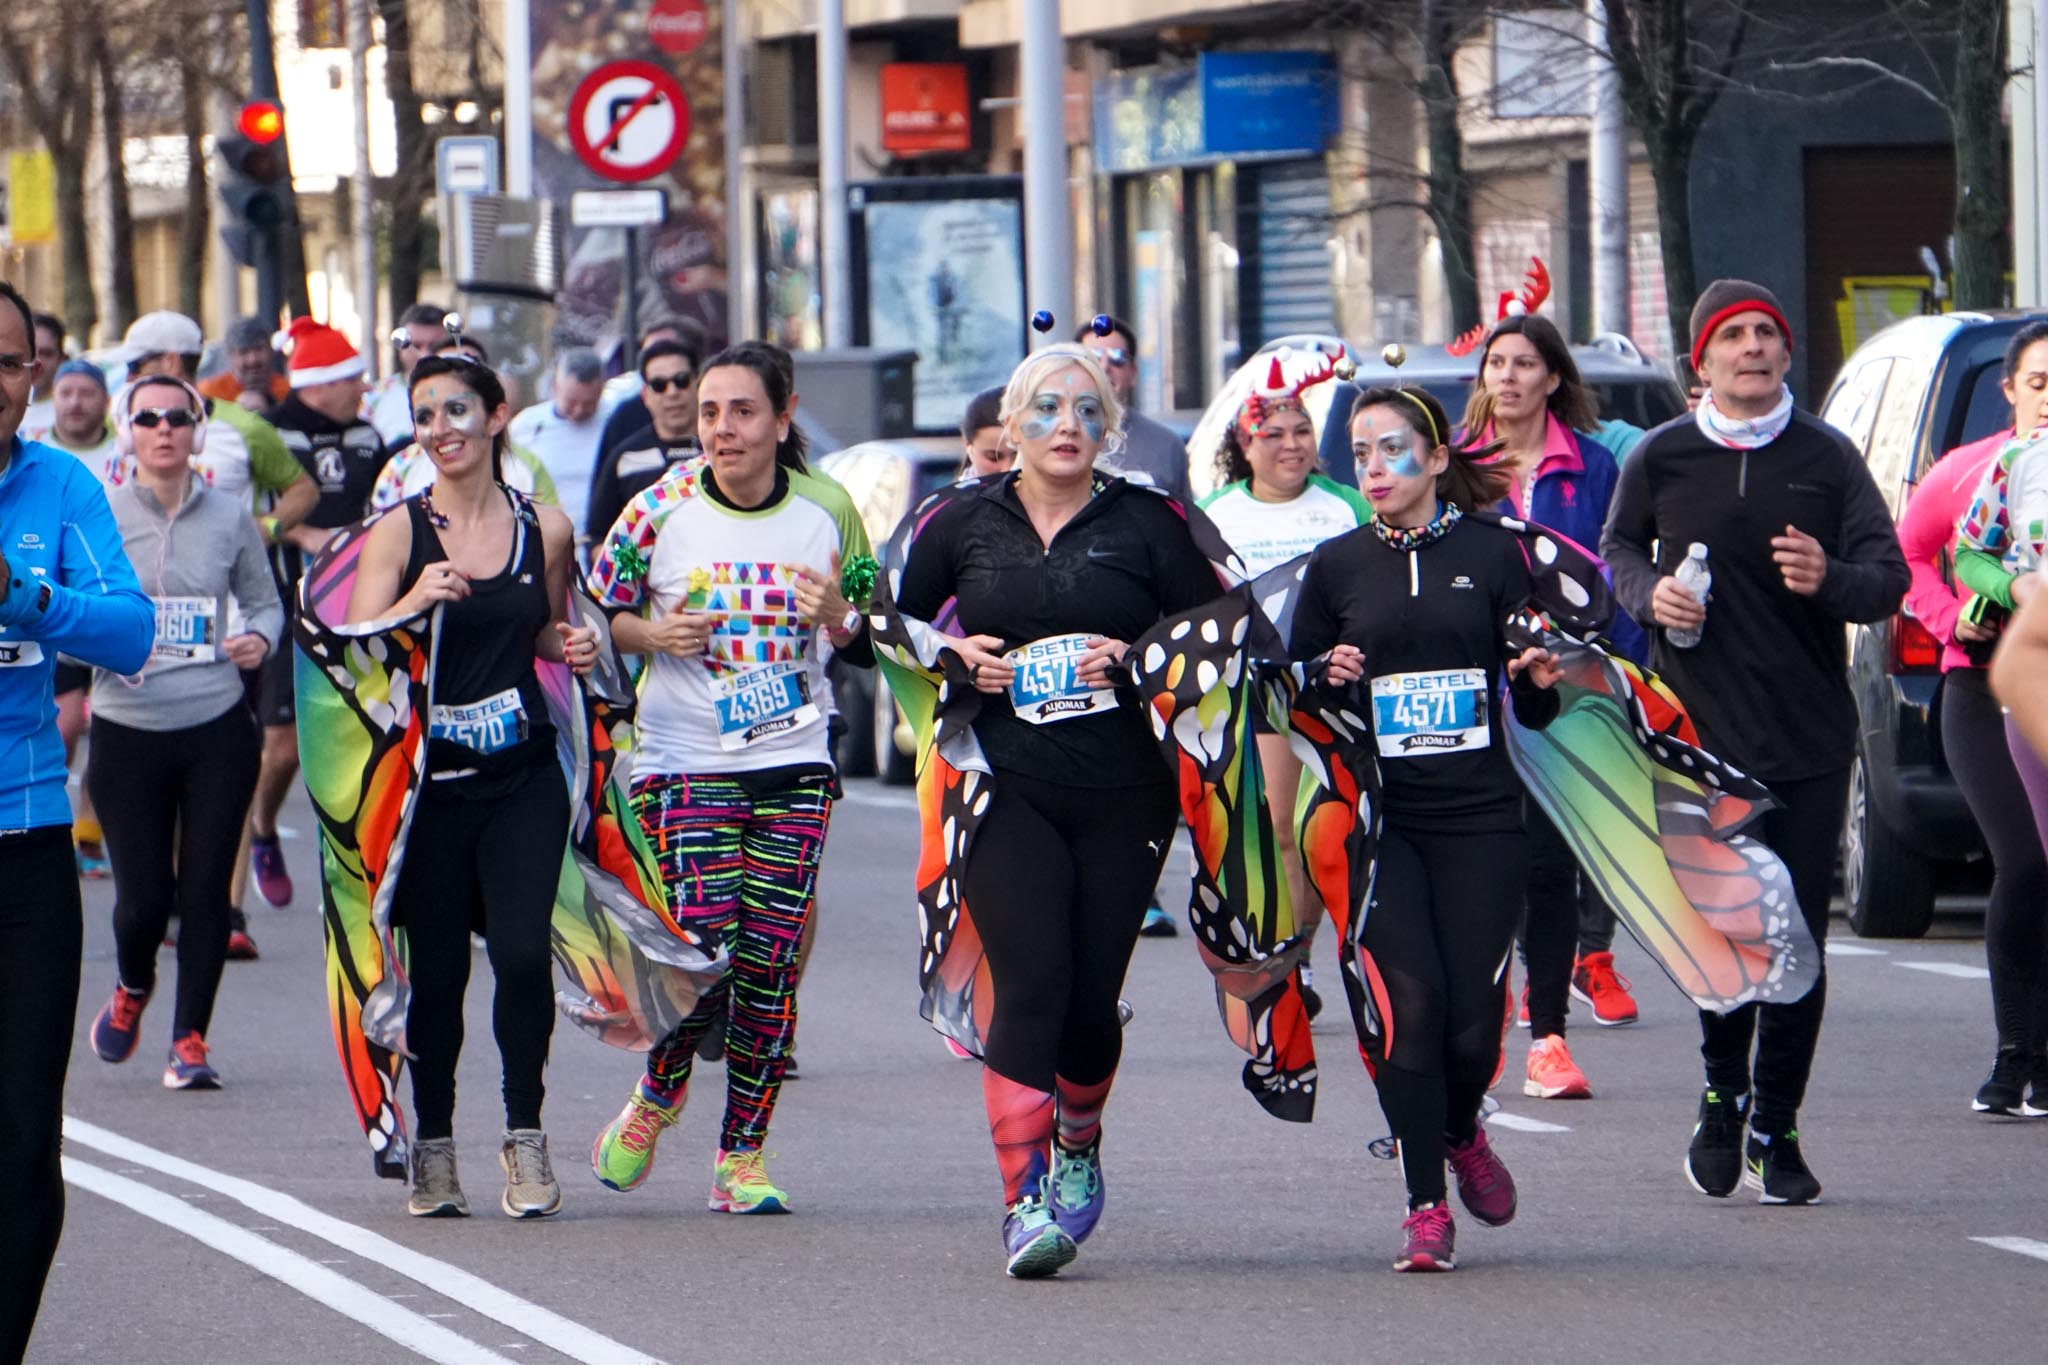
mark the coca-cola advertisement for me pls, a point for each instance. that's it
(682, 262)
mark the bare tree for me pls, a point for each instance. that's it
(47, 46)
(122, 307)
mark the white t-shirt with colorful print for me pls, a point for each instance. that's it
(1268, 534)
(756, 698)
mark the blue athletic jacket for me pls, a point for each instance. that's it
(1570, 496)
(70, 590)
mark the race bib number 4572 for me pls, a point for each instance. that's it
(1047, 687)
(1415, 715)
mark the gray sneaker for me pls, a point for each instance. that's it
(530, 1188)
(436, 1193)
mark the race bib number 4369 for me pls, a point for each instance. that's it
(1415, 715)
(764, 701)
(1047, 688)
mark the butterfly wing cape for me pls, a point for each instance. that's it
(955, 783)
(363, 694)
(1712, 905)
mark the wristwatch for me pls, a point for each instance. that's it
(849, 624)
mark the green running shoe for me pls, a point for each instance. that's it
(740, 1184)
(623, 1154)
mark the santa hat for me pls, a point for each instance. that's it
(1289, 372)
(317, 354)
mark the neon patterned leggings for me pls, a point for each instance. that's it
(739, 858)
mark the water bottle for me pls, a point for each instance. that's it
(1692, 575)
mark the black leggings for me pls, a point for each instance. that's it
(1438, 933)
(1058, 879)
(42, 933)
(2016, 920)
(1563, 918)
(172, 804)
(1804, 831)
(488, 865)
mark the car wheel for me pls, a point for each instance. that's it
(850, 692)
(1888, 888)
(895, 767)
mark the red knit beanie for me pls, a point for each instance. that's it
(1722, 300)
(317, 354)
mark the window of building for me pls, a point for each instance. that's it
(323, 23)
(1539, 65)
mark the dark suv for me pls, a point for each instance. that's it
(1909, 395)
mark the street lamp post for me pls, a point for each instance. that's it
(835, 255)
(1048, 224)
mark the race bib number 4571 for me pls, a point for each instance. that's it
(1415, 715)
(1047, 687)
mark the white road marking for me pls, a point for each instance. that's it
(1521, 1124)
(479, 1295)
(2022, 1246)
(1853, 950)
(1961, 971)
(286, 1266)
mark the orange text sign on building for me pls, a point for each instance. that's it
(924, 107)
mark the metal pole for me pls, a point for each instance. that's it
(518, 99)
(738, 210)
(835, 255)
(361, 227)
(263, 86)
(1607, 180)
(2037, 208)
(1048, 220)
(631, 321)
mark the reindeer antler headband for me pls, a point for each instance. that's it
(1535, 289)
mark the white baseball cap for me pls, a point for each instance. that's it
(161, 333)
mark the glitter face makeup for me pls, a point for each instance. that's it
(1396, 449)
(1042, 418)
(463, 409)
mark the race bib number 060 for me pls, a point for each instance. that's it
(186, 631)
(762, 702)
(1047, 688)
(1415, 715)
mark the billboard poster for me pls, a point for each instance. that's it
(939, 267)
(682, 263)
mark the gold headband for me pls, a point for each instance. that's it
(1434, 438)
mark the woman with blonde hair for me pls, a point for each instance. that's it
(1050, 570)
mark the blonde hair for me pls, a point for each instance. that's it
(1026, 378)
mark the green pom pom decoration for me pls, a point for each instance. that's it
(632, 566)
(857, 578)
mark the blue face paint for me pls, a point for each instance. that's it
(1041, 419)
(1401, 460)
(1089, 412)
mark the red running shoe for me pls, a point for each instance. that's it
(118, 1024)
(1431, 1236)
(1595, 981)
(1553, 1075)
(1484, 1186)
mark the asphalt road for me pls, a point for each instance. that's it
(245, 1225)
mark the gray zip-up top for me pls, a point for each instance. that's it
(192, 564)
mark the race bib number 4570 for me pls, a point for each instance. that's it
(1415, 715)
(486, 727)
(1047, 687)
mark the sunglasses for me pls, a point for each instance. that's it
(177, 419)
(662, 383)
(14, 366)
(1115, 355)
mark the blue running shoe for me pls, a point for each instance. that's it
(118, 1023)
(1075, 1190)
(189, 1069)
(1037, 1245)
(1158, 924)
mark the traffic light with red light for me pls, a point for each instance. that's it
(252, 185)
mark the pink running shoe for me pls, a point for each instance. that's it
(1484, 1186)
(1430, 1238)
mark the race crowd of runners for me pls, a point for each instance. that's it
(185, 565)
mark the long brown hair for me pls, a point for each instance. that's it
(1466, 482)
(1573, 403)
